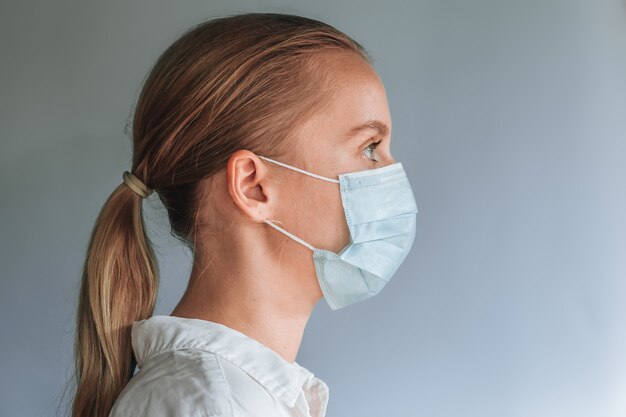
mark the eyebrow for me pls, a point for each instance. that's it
(381, 128)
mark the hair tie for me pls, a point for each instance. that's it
(136, 185)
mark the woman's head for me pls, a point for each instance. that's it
(242, 82)
(227, 90)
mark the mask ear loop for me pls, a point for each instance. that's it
(294, 237)
(321, 177)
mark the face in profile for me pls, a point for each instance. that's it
(352, 133)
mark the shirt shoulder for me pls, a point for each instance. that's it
(177, 383)
(249, 397)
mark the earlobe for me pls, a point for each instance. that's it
(246, 177)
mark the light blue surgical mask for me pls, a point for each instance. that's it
(381, 212)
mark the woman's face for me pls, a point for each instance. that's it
(340, 138)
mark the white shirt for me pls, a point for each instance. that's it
(198, 368)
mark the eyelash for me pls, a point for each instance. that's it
(372, 146)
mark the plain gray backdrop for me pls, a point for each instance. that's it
(510, 120)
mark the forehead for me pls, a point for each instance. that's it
(358, 99)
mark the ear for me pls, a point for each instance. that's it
(247, 178)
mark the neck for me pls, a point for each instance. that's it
(256, 298)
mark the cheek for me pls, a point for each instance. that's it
(325, 221)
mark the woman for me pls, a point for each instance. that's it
(248, 125)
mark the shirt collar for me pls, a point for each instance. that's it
(161, 333)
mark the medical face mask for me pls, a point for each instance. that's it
(381, 212)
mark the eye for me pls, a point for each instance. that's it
(368, 151)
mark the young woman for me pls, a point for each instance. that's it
(267, 138)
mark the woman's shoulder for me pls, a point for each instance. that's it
(250, 396)
(177, 383)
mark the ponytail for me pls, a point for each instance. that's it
(119, 286)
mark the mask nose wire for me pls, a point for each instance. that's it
(321, 177)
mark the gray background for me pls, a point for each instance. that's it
(510, 119)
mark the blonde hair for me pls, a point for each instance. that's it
(243, 81)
